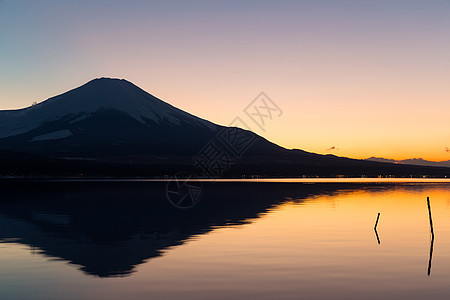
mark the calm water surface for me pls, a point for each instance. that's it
(244, 240)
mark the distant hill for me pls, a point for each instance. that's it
(413, 161)
(110, 127)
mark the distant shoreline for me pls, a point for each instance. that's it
(238, 180)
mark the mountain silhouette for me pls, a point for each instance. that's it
(103, 117)
(413, 161)
(112, 127)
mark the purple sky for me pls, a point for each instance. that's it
(370, 78)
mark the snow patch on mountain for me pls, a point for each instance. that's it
(56, 135)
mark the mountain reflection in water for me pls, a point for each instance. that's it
(108, 228)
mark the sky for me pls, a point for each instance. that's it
(352, 78)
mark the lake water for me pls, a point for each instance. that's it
(243, 240)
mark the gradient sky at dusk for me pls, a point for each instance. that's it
(371, 78)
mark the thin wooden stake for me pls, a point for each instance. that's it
(376, 223)
(375, 228)
(432, 236)
(429, 216)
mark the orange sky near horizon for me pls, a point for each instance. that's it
(369, 79)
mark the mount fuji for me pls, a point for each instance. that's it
(111, 124)
(103, 117)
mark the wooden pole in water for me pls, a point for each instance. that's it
(375, 228)
(429, 216)
(376, 223)
(432, 236)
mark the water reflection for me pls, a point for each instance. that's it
(431, 255)
(376, 234)
(107, 229)
(375, 228)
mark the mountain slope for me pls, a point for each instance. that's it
(103, 117)
(94, 96)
